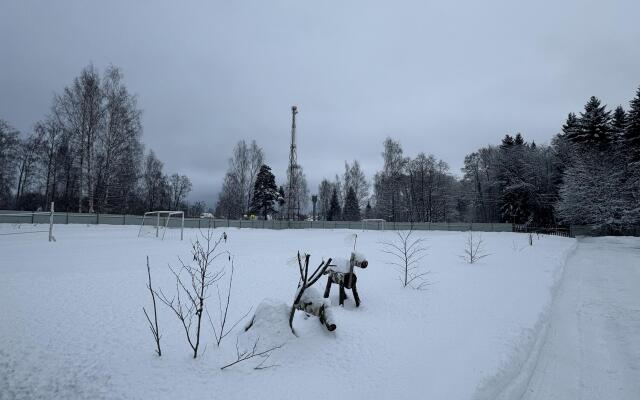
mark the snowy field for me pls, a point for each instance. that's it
(71, 321)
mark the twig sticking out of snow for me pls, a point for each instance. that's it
(223, 311)
(248, 354)
(153, 325)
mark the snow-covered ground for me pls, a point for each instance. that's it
(71, 321)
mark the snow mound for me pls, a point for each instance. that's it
(270, 323)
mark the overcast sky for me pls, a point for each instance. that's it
(442, 77)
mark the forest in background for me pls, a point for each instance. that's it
(87, 155)
(589, 175)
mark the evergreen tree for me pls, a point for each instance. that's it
(632, 129)
(519, 140)
(507, 142)
(513, 172)
(335, 212)
(594, 125)
(351, 207)
(368, 212)
(618, 123)
(571, 126)
(265, 192)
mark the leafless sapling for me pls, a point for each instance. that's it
(153, 325)
(221, 328)
(254, 352)
(474, 250)
(407, 252)
(188, 303)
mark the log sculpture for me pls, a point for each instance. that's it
(341, 273)
(305, 282)
(307, 299)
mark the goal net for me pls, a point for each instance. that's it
(156, 223)
(373, 223)
(28, 223)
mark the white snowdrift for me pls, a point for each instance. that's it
(72, 324)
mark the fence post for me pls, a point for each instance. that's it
(51, 223)
(98, 219)
(124, 219)
(67, 217)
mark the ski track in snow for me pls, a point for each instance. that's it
(592, 344)
(71, 324)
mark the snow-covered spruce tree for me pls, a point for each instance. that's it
(591, 192)
(594, 125)
(632, 130)
(265, 192)
(618, 124)
(351, 208)
(597, 186)
(513, 179)
(335, 212)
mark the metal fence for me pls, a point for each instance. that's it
(16, 217)
(114, 219)
(597, 230)
(544, 230)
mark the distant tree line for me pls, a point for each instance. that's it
(86, 155)
(589, 174)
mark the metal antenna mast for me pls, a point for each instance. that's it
(293, 165)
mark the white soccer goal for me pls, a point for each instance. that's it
(155, 216)
(29, 222)
(377, 222)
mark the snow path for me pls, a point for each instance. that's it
(592, 347)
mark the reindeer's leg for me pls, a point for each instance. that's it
(250, 324)
(327, 289)
(326, 319)
(355, 295)
(343, 294)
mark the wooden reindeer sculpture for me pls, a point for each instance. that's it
(341, 273)
(307, 299)
(310, 302)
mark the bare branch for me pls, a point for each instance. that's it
(246, 355)
(153, 326)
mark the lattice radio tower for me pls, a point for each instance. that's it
(292, 194)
